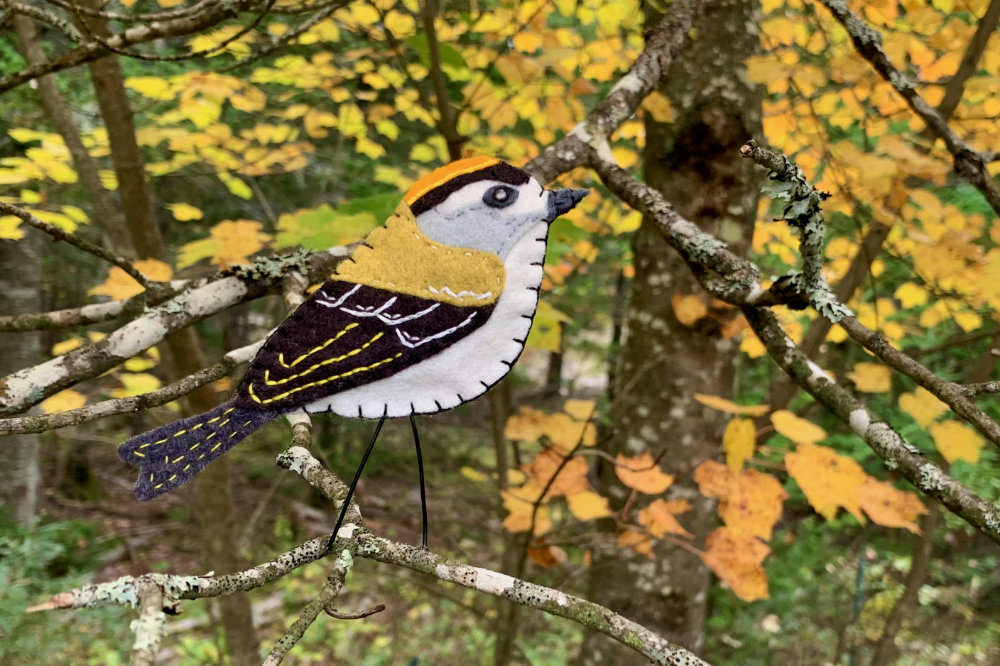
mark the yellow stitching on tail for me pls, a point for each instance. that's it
(186, 468)
(179, 433)
(195, 446)
(176, 460)
(321, 381)
(157, 486)
(138, 455)
(248, 423)
(145, 445)
(212, 450)
(339, 335)
(172, 478)
(336, 359)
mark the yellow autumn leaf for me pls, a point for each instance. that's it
(63, 401)
(60, 348)
(136, 383)
(642, 473)
(230, 242)
(658, 106)
(730, 407)
(871, 377)
(829, 480)
(10, 228)
(738, 443)
(472, 474)
(184, 212)
(956, 441)
(588, 505)
(797, 429)
(688, 308)
(581, 410)
(911, 294)
(120, 285)
(922, 405)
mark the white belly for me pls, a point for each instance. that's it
(466, 369)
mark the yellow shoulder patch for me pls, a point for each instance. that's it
(399, 257)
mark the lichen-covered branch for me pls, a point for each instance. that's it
(588, 614)
(134, 403)
(209, 14)
(331, 588)
(663, 43)
(969, 163)
(354, 541)
(898, 455)
(954, 395)
(802, 213)
(27, 387)
(82, 244)
(739, 286)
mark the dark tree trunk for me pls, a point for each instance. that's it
(695, 162)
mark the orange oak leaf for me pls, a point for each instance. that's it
(637, 541)
(545, 555)
(750, 502)
(526, 425)
(659, 517)
(519, 514)
(572, 478)
(829, 480)
(889, 506)
(736, 558)
(642, 473)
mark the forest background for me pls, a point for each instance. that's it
(756, 414)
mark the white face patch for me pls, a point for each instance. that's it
(464, 219)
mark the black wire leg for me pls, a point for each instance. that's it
(423, 492)
(354, 484)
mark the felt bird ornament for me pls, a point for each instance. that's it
(428, 313)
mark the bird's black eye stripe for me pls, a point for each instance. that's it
(500, 196)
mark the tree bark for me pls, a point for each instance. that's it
(20, 277)
(214, 509)
(694, 162)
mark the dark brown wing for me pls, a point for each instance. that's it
(346, 335)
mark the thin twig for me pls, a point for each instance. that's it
(970, 164)
(82, 244)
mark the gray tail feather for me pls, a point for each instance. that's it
(171, 455)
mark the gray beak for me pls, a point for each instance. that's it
(563, 201)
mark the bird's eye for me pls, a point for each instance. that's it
(500, 196)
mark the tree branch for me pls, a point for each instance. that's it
(154, 288)
(30, 386)
(969, 164)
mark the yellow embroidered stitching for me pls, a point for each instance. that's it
(340, 334)
(353, 352)
(264, 401)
